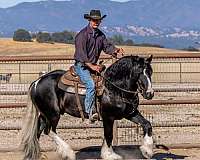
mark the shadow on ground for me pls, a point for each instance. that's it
(164, 156)
(126, 151)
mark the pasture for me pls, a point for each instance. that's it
(173, 124)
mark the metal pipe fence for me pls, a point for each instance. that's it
(167, 69)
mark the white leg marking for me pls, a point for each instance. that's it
(107, 153)
(62, 147)
(147, 147)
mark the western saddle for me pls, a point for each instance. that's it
(72, 80)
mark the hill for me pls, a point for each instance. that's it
(170, 23)
(59, 15)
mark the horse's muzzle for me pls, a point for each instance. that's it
(148, 95)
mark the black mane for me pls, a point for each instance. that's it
(122, 70)
(122, 67)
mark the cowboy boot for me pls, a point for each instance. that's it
(93, 117)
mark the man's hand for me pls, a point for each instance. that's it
(120, 52)
(94, 67)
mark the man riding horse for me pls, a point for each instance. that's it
(89, 43)
(124, 80)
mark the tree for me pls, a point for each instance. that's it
(22, 35)
(69, 35)
(191, 48)
(129, 42)
(43, 37)
(58, 37)
(63, 37)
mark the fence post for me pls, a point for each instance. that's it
(19, 72)
(49, 67)
(180, 72)
(115, 133)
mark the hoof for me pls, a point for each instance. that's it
(146, 152)
(67, 154)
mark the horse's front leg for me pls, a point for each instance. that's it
(147, 146)
(107, 150)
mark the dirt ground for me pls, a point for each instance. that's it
(127, 152)
(180, 114)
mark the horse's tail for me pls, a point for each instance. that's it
(29, 141)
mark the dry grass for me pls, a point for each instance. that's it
(8, 47)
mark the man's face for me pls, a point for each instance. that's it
(94, 23)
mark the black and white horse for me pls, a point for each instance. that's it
(124, 79)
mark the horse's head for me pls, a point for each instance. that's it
(129, 74)
(144, 78)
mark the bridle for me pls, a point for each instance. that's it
(140, 89)
(121, 89)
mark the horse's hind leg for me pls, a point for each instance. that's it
(41, 125)
(63, 149)
(106, 150)
(147, 147)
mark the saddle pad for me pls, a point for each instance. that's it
(71, 88)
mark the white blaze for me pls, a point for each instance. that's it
(149, 89)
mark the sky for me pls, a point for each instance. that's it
(9, 3)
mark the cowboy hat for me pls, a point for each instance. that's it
(94, 14)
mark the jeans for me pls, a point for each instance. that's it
(87, 80)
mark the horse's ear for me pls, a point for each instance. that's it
(149, 59)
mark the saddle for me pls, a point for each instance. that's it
(70, 82)
(70, 78)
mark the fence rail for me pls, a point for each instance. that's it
(142, 102)
(155, 90)
(168, 67)
(159, 55)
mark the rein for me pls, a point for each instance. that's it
(122, 89)
(124, 100)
